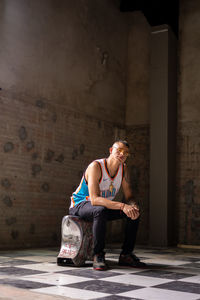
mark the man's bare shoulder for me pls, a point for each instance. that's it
(93, 169)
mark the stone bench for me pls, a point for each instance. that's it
(76, 242)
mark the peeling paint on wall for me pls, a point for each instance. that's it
(54, 117)
(49, 156)
(11, 221)
(74, 154)
(104, 59)
(45, 187)
(40, 103)
(5, 183)
(189, 191)
(35, 156)
(82, 149)
(14, 234)
(8, 147)
(36, 169)
(7, 201)
(23, 133)
(60, 158)
(134, 178)
(30, 145)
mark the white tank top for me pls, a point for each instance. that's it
(109, 186)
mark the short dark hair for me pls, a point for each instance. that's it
(125, 143)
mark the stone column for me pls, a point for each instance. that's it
(163, 102)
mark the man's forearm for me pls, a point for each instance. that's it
(132, 211)
(107, 203)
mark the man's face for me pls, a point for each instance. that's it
(120, 152)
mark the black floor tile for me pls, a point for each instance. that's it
(189, 259)
(17, 254)
(18, 271)
(104, 286)
(192, 265)
(162, 252)
(164, 274)
(17, 262)
(5, 260)
(115, 297)
(89, 273)
(24, 284)
(180, 286)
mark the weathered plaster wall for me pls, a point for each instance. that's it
(137, 114)
(138, 137)
(62, 103)
(138, 75)
(65, 52)
(188, 133)
(188, 154)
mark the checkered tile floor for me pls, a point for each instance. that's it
(170, 274)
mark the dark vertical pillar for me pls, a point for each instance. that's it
(163, 102)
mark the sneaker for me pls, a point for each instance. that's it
(99, 263)
(130, 260)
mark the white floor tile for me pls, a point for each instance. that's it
(164, 261)
(45, 261)
(38, 258)
(45, 267)
(137, 280)
(114, 255)
(4, 258)
(125, 270)
(56, 279)
(193, 279)
(70, 292)
(159, 294)
(112, 259)
(183, 270)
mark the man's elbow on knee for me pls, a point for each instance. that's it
(93, 201)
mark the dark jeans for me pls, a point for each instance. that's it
(100, 215)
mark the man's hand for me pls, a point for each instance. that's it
(132, 211)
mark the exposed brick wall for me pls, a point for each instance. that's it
(188, 182)
(138, 137)
(62, 81)
(44, 151)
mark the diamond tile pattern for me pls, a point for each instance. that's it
(171, 273)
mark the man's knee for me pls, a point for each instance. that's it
(100, 211)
